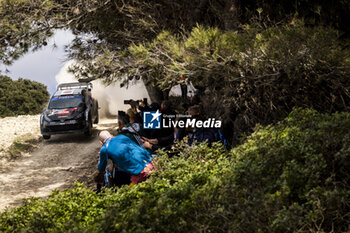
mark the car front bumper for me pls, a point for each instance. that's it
(63, 127)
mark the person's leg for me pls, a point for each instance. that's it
(183, 90)
(144, 174)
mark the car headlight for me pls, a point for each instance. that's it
(47, 112)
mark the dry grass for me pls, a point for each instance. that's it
(22, 144)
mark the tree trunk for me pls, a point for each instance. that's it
(154, 92)
(231, 14)
(199, 12)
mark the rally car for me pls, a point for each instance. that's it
(71, 109)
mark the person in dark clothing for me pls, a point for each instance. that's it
(196, 99)
(154, 107)
(164, 137)
(128, 127)
(183, 86)
(135, 106)
(143, 106)
(138, 107)
(198, 134)
(202, 135)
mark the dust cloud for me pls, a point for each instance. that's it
(110, 98)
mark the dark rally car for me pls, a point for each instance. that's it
(71, 109)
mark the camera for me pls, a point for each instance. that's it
(128, 101)
(132, 102)
(145, 101)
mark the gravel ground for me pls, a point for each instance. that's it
(54, 164)
(12, 127)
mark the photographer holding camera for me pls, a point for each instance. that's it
(138, 105)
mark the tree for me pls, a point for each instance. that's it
(253, 77)
(21, 97)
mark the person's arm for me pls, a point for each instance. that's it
(102, 164)
(98, 177)
(103, 160)
(167, 140)
(149, 145)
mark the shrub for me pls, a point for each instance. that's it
(296, 174)
(21, 97)
(63, 211)
(285, 178)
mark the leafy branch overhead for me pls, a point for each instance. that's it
(256, 73)
(28, 24)
(115, 24)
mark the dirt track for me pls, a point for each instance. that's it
(56, 164)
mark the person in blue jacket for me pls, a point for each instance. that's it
(126, 154)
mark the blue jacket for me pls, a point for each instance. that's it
(125, 153)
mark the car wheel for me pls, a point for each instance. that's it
(96, 114)
(97, 118)
(88, 132)
(46, 137)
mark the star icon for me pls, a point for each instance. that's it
(156, 115)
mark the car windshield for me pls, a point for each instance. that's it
(65, 102)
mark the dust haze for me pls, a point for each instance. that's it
(110, 98)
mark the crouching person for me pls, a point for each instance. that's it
(126, 154)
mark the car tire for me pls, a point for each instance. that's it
(96, 114)
(88, 132)
(96, 118)
(46, 137)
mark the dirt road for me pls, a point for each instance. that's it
(56, 164)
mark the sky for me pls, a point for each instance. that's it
(45, 64)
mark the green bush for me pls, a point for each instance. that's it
(21, 97)
(296, 174)
(285, 178)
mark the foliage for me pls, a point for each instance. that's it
(255, 76)
(99, 25)
(292, 177)
(62, 211)
(105, 29)
(21, 97)
(297, 173)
